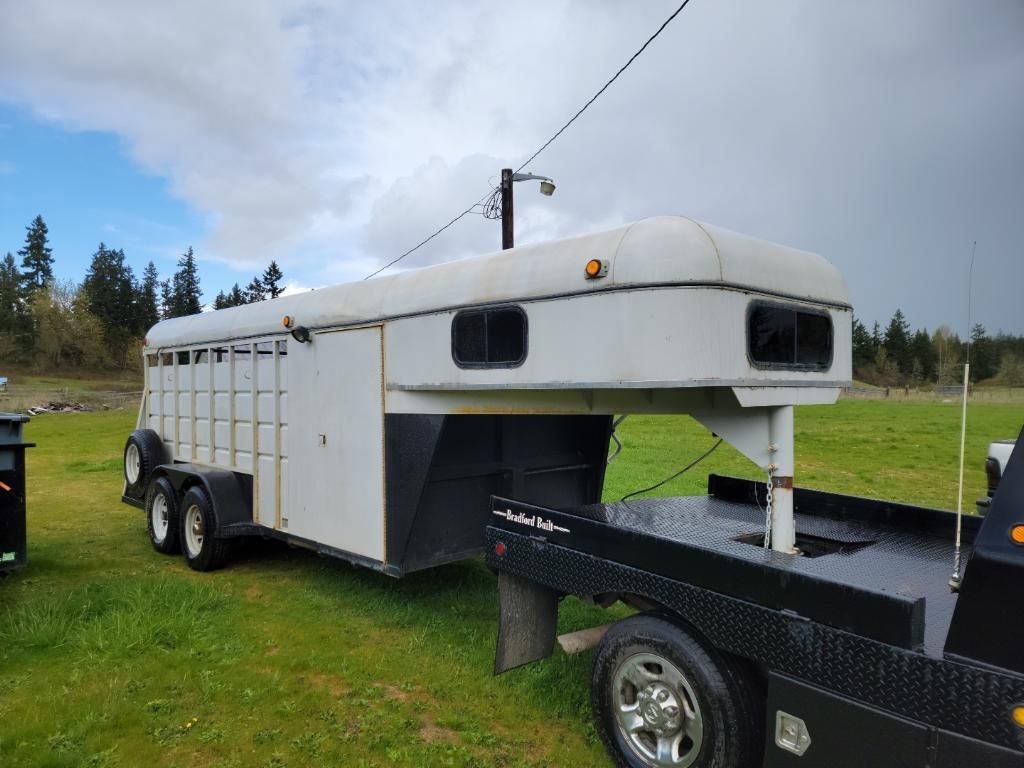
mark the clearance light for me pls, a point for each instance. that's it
(595, 268)
(499, 549)
(1018, 716)
(1017, 534)
(287, 321)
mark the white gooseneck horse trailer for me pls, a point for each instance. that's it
(373, 420)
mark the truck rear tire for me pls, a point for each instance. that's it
(163, 517)
(662, 698)
(143, 452)
(202, 549)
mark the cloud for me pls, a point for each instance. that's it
(335, 136)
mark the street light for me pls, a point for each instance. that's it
(508, 178)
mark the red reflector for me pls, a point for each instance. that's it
(499, 549)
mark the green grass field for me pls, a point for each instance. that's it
(112, 655)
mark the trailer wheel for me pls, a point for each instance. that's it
(203, 550)
(162, 517)
(143, 451)
(661, 698)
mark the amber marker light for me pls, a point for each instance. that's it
(1017, 537)
(595, 268)
(1018, 716)
(286, 321)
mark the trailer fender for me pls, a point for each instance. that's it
(527, 618)
(229, 492)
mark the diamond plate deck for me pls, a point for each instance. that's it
(882, 560)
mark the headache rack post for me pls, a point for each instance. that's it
(780, 429)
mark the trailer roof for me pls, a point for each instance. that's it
(659, 251)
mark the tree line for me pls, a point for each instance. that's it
(899, 356)
(101, 321)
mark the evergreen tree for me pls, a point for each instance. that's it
(925, 363)
(236, 296)
(36, 257)
(147, 304)
(863, 348)
(897, 343)
(110, 294)
(10, 303)
(272, 277)
(983, 360)
(184, 291)
(255, 291)
(166, 299)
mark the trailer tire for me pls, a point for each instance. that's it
(163, 517)
(203, 550)
(143, 452)
(662, 698)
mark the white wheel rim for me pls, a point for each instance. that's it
(656, 711)
(160, 518)
(132, 463)
(194, 530)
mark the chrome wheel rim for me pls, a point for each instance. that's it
(132, 464)
(159, 517)
(195, 530)
(656, 711)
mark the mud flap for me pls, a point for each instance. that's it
(526, 629)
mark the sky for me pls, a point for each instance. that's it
(332, 137)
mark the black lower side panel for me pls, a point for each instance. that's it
(961, 699)
(442, 470)
(841, 732)
(13, 545)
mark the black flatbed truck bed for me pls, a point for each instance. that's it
(861, 636)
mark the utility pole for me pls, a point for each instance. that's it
(507, 233)
(504, 190)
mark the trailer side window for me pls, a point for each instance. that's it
(166, 359)
(183, 358)
(151, 361)
(489, 338)
(781, 336)
(202, 356)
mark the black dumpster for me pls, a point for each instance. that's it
(12, 491)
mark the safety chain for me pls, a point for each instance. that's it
(768, 508)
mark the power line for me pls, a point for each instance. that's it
(546, 144)
(604, 87)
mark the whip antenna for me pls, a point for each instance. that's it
(954, 580)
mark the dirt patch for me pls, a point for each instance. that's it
(431, 733)
(393, 692)
(253, 592)
(272, 650)
(333, 684)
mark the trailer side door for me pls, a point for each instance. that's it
(336, 442)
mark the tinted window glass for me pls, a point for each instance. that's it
(492, 338)
(813, 340)
(772, 335)
(784, 337)
(183, 358)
